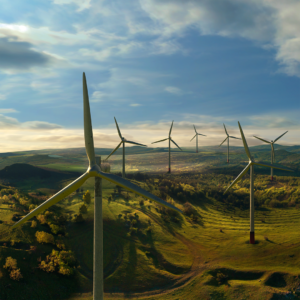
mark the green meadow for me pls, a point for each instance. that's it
(151, 252)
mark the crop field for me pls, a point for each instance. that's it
(150, 252)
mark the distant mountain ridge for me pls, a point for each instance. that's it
(24, 171)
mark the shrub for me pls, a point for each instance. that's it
(55, 228)
(78, 218)
(66, 270)
(10, 263)
(83, 209)
(42, 219)
(221, 278)
(87, 197)
(188, 209)
(44, 237)
(15, 274)
(33, 223)
(141, 202)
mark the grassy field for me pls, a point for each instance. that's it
(207, 258)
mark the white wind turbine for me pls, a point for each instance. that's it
(196, 135)
(93, 171)
(250, 165)
(170, 140)
(123, 141)
(272, 150)
(227, 138)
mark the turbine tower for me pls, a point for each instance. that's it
(170, 140)
(272, 150)
(250, 165)
(123, 141)
(227, 138)
(196, 135)
(93, 171)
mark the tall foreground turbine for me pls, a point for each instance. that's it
(196, 135)
(123, 141)
(93, 171)
(272, 150)
(170, 139)
(228, 136)
(250, 165)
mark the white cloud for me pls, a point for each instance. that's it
(7, 110)
(135, 104)
(98, 96)
(9, 123)
(82, 4)
(173, 90)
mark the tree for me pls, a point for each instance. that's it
(78, 218)
(83, 209)
(55, 228)
(15, 274)
(10, 263)
(42, 219)
(44, 237)
(33, 223)
(87, 197)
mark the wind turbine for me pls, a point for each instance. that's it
(228, 136)
(196, 135)
(250, 165)
(123, 141)
(93, 171)
(272, 150)
(170, 139)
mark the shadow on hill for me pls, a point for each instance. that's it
(277, 279)
(223, 275)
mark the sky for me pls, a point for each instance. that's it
(147, 63)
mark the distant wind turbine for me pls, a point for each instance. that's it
(93, 171)
(227, 138)
(250, 165)
(272, 150)
(123, 141)
(170, 140)
(196, 135)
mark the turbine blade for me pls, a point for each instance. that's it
(176, 144)
(118, 129)
(193, 137)
(238, 178)
(225, 130)
(113, 151)
(275, 166)
(262, 139)
(235, 137)
(201, 134)
(88, 131)
(171, 129)
(223, 141)
(160, 141)
(55, 198)
(135, 143)
(134, 188)
(280, 137)
(195, 129)
(245, 143)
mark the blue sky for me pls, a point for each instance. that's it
(148, 62)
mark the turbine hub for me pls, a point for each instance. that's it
(93, 170)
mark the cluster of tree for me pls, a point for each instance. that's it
(55, 222)
(62, 262)
(11, 266)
